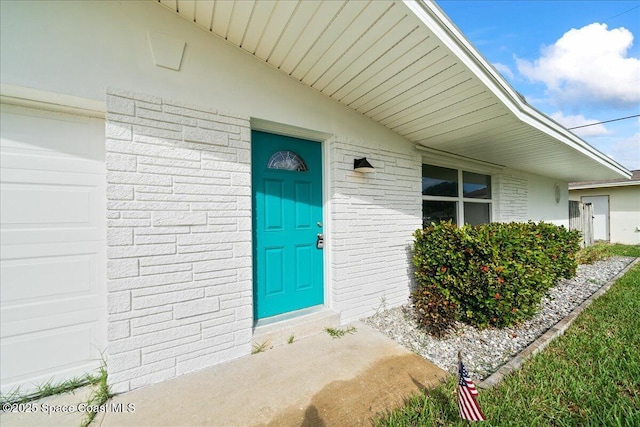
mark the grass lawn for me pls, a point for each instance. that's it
(588, 377)
(622, 250)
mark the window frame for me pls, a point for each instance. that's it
(460, 200)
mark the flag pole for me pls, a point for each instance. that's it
(457, 387)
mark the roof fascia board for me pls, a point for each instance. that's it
(436, 20)
(603, 185)
(544, 124)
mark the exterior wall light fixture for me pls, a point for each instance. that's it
(362, 165)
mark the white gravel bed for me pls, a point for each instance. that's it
(484, 351)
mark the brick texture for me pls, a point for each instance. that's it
(179, 234)
(179, 238)
(510, 197)
(373, 217)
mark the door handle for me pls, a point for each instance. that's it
(320, 241)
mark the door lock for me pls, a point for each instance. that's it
(320, 241)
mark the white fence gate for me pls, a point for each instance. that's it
(581, 219)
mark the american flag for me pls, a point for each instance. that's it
(467, 403)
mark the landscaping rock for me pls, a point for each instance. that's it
(484, 351)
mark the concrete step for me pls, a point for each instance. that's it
(279, 330)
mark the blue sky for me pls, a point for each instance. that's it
(576, 61)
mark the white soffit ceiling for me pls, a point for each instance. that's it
(404, 65)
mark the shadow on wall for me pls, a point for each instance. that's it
(413, 283)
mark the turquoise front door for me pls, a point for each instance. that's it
(287, 224)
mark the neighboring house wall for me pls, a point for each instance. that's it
(624, 211)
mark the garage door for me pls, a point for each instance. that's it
(52, 270)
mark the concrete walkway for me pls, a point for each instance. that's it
(60, 410)
(316, 381)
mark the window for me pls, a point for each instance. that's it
(456, 195)
(438, 181)
(287, 160)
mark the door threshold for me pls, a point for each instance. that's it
(287, 316)
(286, 327)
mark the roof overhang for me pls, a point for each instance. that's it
(583, 185)
(603, 185)
(406, 66)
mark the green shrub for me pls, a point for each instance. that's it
(488, 275)
(435, 254)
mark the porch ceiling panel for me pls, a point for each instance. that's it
(404, 65)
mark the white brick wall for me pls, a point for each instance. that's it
(373, 217)
(179, 238)
(179, 234)
(510, 197)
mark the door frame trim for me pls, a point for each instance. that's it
(287, 130)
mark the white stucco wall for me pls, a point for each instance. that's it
(624, 211)
(81, 48)
(542, 205)
(162, 323)
(520, 196)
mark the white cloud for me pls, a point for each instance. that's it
(624, 149)
(503, 69)
(580, 120)
(627, 151)
(589, 64)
